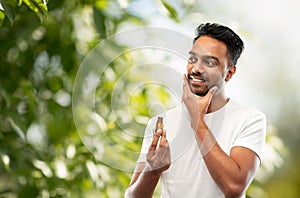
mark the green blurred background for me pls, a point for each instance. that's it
(42, 45)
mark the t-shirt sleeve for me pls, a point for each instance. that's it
(146, 140)
(253, 133)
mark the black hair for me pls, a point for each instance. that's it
(233, 42)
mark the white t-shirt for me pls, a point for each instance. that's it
(232, 125)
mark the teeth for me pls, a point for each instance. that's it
(197, 80)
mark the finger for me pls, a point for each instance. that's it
(184, 79)
(164, 150)
(186, 89)
(155, 140)
(159, 155)
(185, 82)
(157, 132)
(211, 92)
(184, 85)
(161, 150)
(166, 154)
(162, 155)
(163, 139)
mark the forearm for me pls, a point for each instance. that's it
(223, 169)
(144, 186)
(147, 174)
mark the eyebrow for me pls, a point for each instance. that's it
(205, 56)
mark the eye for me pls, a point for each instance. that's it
(193, 59)
(210, 63)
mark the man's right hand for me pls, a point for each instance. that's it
(159, 157)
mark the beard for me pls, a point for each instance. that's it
(199, 92)
(198, 84)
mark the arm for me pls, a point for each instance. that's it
(147, 174)
(143, 182)
(232, 173)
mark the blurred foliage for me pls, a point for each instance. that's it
(42, 44)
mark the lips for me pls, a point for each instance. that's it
(196, 78)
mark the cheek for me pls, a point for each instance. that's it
(222, 73)
(215, 73)
(215, 77)
(189, 67)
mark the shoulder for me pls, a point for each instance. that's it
(243, 111)
(252, 122)
(251, 128)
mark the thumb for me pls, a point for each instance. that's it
(210, 94)
(213, 90)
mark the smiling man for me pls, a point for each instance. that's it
(211, 146)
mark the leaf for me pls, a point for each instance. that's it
(171, 10)
(2, 17)
(36, 5)
(99, 19)
(39, 7)
(17, 129)
(8, 11)
(100, 4)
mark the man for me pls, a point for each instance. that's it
(211, 146)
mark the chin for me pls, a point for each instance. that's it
(200, 93)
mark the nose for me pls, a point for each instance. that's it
(197, 69)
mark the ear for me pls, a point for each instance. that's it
(230, 72)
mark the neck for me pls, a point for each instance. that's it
(218, 101)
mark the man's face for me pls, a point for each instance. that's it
(207, 65)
